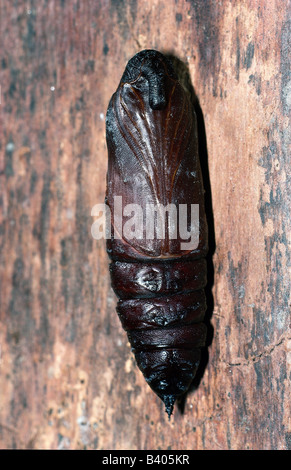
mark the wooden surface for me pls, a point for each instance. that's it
(68, 378)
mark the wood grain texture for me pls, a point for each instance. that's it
(68, 378)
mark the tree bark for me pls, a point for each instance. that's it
(68, 377)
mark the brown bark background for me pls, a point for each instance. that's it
(68, 378)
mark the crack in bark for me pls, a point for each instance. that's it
(256, 358)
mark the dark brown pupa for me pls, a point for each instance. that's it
(152, 145)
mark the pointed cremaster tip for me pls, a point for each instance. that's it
(169, 401)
